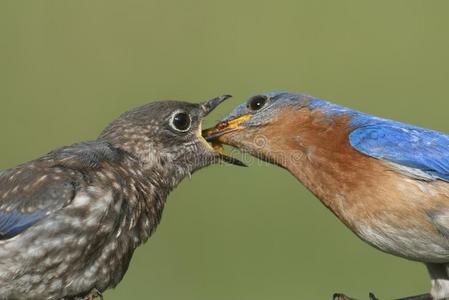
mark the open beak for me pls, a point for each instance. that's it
(210, 105)
(212, 136)
(207, 107)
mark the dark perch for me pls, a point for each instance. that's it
(339, 296)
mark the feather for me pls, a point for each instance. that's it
(426, 151)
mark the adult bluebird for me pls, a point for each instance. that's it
(71, 220)
(386, 181)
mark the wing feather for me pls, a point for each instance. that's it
(29, 193)
(424, 150)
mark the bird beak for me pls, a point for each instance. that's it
(207, 107)
(210, 105)
(213, 134)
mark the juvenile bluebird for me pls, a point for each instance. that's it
(386, 181)
(71, 220)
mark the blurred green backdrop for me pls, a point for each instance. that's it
(67, 68)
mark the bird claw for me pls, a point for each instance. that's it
(338, 296)
(372, 297)
(92, 295)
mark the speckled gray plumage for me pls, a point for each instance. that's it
(71, 219)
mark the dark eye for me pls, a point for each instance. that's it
(181, 121)
(257, 103)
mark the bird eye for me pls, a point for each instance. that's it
(181, 121)
(257, 103)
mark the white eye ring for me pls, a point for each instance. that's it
(180, 121)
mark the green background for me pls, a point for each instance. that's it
(67, 68)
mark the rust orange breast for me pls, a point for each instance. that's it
(357, 188)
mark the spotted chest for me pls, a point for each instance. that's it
(134, 207)
(87, 244)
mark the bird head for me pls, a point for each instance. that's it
(272, 126)
(166, 136)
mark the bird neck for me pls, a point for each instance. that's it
(146, 201)
(316, 150)
(147, 186)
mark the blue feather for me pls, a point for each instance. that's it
(406, 145)
(418, 150)
(13, 223)
(413, 147)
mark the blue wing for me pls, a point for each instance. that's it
(13, 222)
(424, 150)
(28, 194)
(32, 191)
